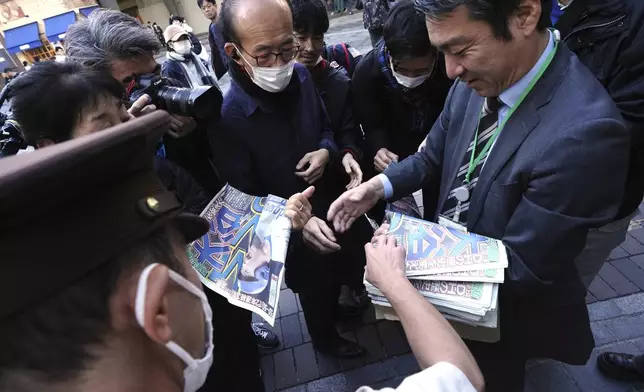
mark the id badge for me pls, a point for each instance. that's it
(450, 223)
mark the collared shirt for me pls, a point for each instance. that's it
(509, 98)
(442, 377)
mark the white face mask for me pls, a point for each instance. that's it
(406, 81)
(274, 79)
(196, 369)
(182, 47)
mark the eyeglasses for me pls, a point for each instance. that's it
(269, 59)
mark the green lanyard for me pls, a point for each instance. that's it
(475, 161)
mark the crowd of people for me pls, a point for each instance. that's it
(115, 184)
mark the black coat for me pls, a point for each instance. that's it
(388, 119)
(176, 179)
(608, 38)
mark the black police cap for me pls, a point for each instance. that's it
(68, 208)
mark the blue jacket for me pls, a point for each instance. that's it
(262, 136)
(557, 170)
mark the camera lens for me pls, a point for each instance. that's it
(200, 102)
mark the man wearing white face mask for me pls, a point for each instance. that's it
(115, 304)
(399, 91)
(275, 138)
(181, 63)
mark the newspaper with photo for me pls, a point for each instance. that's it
(242, 256)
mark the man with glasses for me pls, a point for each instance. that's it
(275, 138)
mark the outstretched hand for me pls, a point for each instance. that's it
(354, 203)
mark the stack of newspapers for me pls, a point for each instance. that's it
(458, 272)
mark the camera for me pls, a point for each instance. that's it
(200, 102)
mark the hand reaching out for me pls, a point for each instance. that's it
(352, 168)
(317, 161)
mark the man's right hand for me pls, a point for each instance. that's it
(385, 263)
(383, 159)
(141, 107)
(320, 236)
(354, 203)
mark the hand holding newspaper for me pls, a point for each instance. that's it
(458, 272)
(242, 256)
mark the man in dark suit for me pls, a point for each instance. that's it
(529, 149)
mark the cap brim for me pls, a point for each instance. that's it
(191, 226)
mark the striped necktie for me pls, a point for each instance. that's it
(487, 127)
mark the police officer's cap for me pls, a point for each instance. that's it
(67, 209)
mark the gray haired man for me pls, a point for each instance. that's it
(119, 44)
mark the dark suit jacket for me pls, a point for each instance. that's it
(557, 169)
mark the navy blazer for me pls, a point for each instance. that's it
(558, 169)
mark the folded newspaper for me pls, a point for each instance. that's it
(458, 272)
(242, 255)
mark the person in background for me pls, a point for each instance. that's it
(614, 53)
(26, 65)
(338, 7)
(218, 56)
(551, 124)
(181, 22)
(373, 17)
(275, 138)
(10, 74)
(181, 63)
(110, 314)
(159, 33)
(60, 54)
(608, 39)
(311, 22)
(399, 91)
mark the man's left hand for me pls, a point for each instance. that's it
(181, 126)
(317, 161)
(298, 208)
(353, 170)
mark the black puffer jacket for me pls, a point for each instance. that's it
(608, 37)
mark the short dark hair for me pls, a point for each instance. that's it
(494, 12)
(176, 17)
(36, 98)
(405, 32)
(58, 48)
(200, 2)
(55, 339)
(24, 63)
(227, 16)
(310, 17)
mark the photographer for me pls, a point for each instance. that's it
(118, 43)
